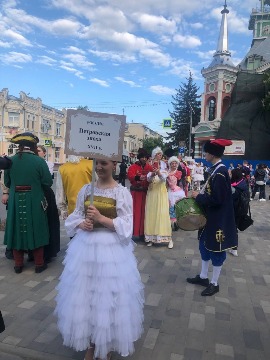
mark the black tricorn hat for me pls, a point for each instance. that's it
(216, 147)
(26, 139)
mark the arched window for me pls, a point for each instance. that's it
(212, 109)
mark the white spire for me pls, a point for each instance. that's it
(223, 56)
(223, 34)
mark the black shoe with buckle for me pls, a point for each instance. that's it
(210, 290)
(41, 268)
(197, 280)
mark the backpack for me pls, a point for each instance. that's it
(242, 206)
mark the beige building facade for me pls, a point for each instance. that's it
(134, 135)
(24, 113)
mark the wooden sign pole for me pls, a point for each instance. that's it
(93, 182)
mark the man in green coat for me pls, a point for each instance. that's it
(27, 225)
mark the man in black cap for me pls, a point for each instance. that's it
(219, 233)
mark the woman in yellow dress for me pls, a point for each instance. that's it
(157, 223)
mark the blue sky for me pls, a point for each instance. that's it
(114, 54)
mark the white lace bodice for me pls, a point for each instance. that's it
(123, 223)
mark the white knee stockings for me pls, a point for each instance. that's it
(205, 267)
(216, 272)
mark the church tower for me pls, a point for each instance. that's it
(220, 77)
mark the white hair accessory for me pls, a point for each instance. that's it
(173, 158)
(156, 151)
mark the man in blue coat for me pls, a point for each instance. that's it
(219, 233)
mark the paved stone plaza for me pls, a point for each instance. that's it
(179, 323)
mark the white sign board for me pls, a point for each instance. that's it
(237, 148)
(95, 135)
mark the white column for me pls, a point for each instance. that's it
(203, 108)
(219, 96)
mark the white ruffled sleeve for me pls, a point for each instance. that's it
(123, 224)
(78, 215)
(163, 175)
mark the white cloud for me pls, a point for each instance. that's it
(16, 37)
(162, 90)
(123, 41)
(64, 27)
(71, 69)
(156, 57)
(14, 57)
(100, 82)
(165, 40)
(156, 24)
(182, 68)
(130, 43)
(65, 63)
(75, 50)
(155, 7)
(187, 41)
(197, 25)
(236, 22)
(205, 55)
(118, 57)
(51, 52)
(20, 21)
(46, 60)
(5, 44)
(109, 16)
(128, 82)
(79, 60)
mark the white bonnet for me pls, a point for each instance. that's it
(156, 151)
(173, 158)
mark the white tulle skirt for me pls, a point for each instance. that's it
(100, 294)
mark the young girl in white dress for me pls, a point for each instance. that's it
(100, 294)
(198, 176)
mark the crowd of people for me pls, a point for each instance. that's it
(100, 295)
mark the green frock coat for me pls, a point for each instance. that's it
(27, 224)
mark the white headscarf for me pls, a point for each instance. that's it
(156, 151)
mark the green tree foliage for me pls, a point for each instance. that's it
(80, 107)
(150, 143)
(186, 96)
